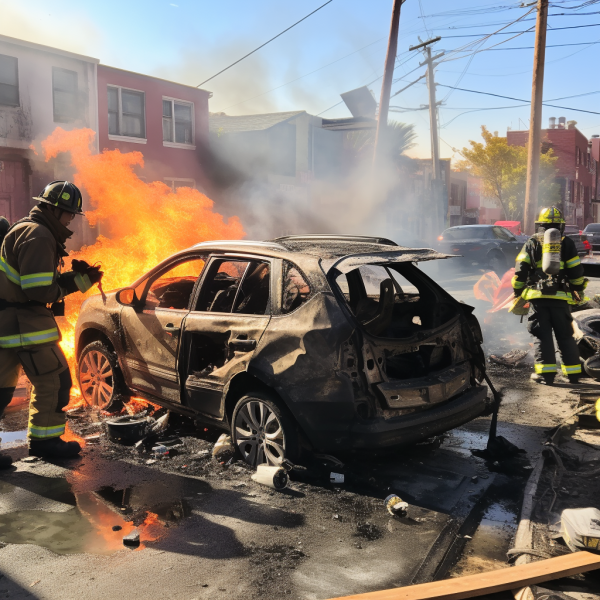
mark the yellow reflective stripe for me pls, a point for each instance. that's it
(10, 341)
(36, 280)
(524, 257)
(517, 285)
(83, 282)
(11, 273)
(30, 339)
(551, 248)
(540, 368)
(531, 294)
(577, 281)
(46, 432)
(570, 369)
(573, 262)
(539, 264)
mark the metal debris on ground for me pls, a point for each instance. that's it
(511, 359)
(336, 477)
(273, 477)
(396, 506)
(132, 539)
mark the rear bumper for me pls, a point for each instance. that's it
(409, 429)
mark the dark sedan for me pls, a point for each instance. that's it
(486, 246)
(592, 234)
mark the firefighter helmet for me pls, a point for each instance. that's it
(549, 216)
(62, 194)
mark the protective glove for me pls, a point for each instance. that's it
(90, 273)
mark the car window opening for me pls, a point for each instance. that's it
(296, 291)
(171, 289)
(241, 287)
(391, 302)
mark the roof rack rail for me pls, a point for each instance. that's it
(336, 238)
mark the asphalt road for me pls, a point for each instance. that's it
(208, 531)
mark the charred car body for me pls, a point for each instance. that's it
(330, 342)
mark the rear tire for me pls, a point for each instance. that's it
(262, 431)
(100, 378)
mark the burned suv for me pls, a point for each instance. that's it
(324, 342)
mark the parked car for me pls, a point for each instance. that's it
(582, 244)
(592, 233)
(327, 342)
(487, 246)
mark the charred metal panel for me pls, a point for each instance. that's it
(299, 356)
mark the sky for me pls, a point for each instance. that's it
(339, 48)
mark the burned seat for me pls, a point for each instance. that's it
(380, 321)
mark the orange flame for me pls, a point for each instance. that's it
(70, 436)
(140, 223)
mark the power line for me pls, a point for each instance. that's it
(518, 99)
(531, 47)
(530, 30)
(267, 42)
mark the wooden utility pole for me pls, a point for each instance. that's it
(388, 75)
(535, 123)
(433, 119)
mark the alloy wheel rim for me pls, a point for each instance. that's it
(96, 379)
(259, 434)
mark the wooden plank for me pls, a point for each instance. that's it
(488, 583)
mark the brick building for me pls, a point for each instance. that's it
(166, 121)
(577, 172)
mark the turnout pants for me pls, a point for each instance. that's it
(549, 316)
(48, 371)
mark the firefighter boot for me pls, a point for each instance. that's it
(53, 448)
(543, 378)
(574, 379)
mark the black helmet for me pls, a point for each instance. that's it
(4, 227)
(63, 195)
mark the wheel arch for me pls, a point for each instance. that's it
(89, 335)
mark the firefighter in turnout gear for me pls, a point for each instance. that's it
(549, 275)
(31, 292)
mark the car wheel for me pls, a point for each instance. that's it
(262, 432)
(100, 379)
(498, 264)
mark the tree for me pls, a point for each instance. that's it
(503, 170)
(399, 138)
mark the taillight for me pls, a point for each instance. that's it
(473, 248)
(440, 237)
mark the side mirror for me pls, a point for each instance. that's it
(126, 297)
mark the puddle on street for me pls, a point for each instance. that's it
(486, 551)
(12, 439)
(462, 441)
(92, 522)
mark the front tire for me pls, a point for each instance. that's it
(100, 379)
(262, 431)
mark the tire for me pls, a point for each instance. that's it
(100, 378)
(498, 264)
(262, 431)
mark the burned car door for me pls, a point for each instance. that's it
(231, 313)
(152, 328)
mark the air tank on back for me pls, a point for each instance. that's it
(551, 252)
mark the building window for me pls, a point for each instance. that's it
(178, 182)
(126, 112)
(178, 122)
(9, 81)
(65, 95)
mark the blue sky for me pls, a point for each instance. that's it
(339, 48)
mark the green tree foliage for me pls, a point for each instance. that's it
(503, 170)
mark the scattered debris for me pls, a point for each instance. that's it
(396, 506)
(116, 528)
(223, 450)
(273, 477)
(128, 429)
(511, 359)
(580, 528)
(132, 539)
(336, 477)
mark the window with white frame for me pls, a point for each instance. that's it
(9, 81)
(178, 182)
(178, 122)
(126, 112)
(64, 95)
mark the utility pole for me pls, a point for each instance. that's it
(388, 74)
(535, 123)
(438, 198)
